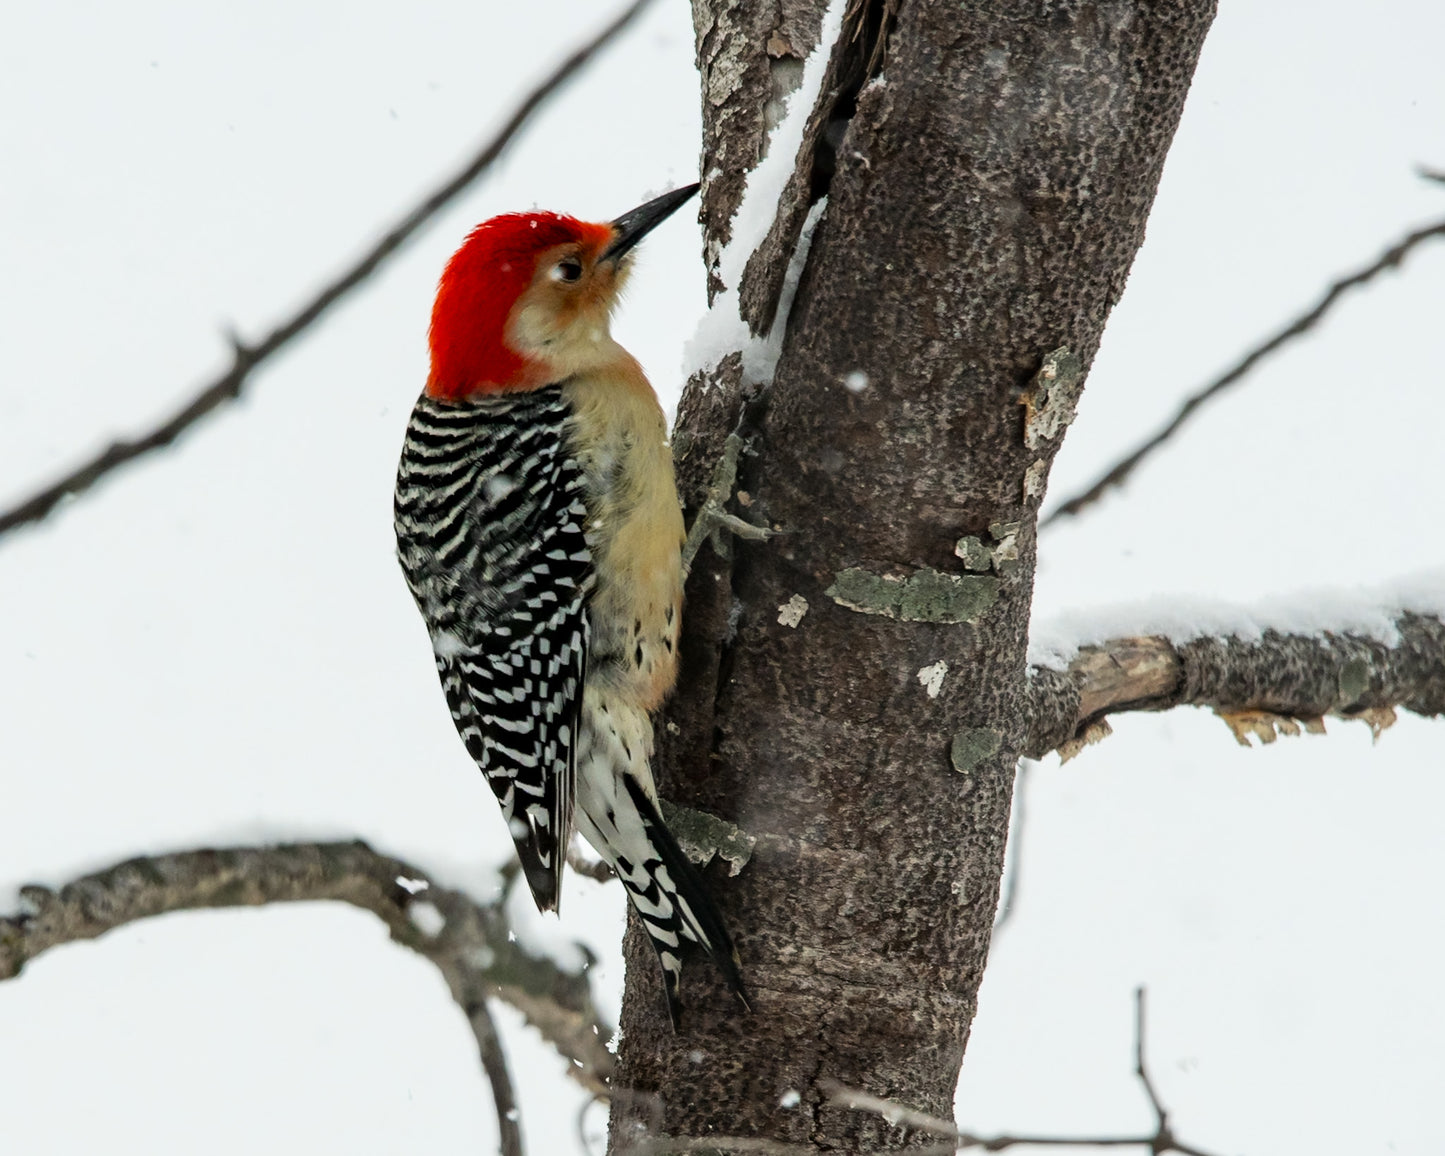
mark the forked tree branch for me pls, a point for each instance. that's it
(246, 357)
(1259, 686)
(1119, 472)
(469, 942)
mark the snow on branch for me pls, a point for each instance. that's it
(469, 942)
(1118, 473)
(248, 356)
(1259, 685)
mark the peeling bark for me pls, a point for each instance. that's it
(986, 202)
(750, 57)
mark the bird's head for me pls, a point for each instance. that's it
(528, 298)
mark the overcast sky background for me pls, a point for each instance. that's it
(216, 646)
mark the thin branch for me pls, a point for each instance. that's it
(469, 942)
(494, 1064)
(1118, 473)
(890, 1111)
(1260, 686)
(712, 520)
(584, 1141)
(1140, 1068)
(245, 358)
(593, 869)
(1161, 1140)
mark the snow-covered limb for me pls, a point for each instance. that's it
(1257, 684)
(468, 941)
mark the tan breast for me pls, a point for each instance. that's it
(619, 435)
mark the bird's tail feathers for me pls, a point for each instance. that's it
(689, 919)
(664, 889)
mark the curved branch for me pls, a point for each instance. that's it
(245, 358)
(469, 942)
(1118, 473)
(494, 1064)
(1276, 681)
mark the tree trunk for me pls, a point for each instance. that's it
(986, 197)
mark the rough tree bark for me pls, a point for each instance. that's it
(985, 200)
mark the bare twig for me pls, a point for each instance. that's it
(1120, 471)
(712, 520)
(1140, 1068)
(469, 942)
(594, 869)
(1161, 1140)
(842, 1096)
(245, 358)
(584, 1141)
(1260, 686)
(494, 1064)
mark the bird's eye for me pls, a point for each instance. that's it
(569, 269)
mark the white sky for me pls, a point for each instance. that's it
(217, 646)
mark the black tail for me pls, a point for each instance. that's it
(668, 893)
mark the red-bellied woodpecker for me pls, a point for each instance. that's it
(539, 529)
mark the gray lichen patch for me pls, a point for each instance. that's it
(976, 556)
(791, 612)
(1002, 556)
(1034, 480)
(1354, 680)
(931, 677)
(924, 596)
(1052, 397)
(1006, 553)
(702, 836)
(972, 746)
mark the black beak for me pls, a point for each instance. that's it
(632, 227)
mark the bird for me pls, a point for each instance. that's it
(539, 530)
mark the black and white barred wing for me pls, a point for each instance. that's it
(491, 530)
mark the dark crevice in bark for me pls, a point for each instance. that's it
(735, 566)
(864, 49)
(857, 57)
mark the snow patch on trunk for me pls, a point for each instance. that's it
(722, 330)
